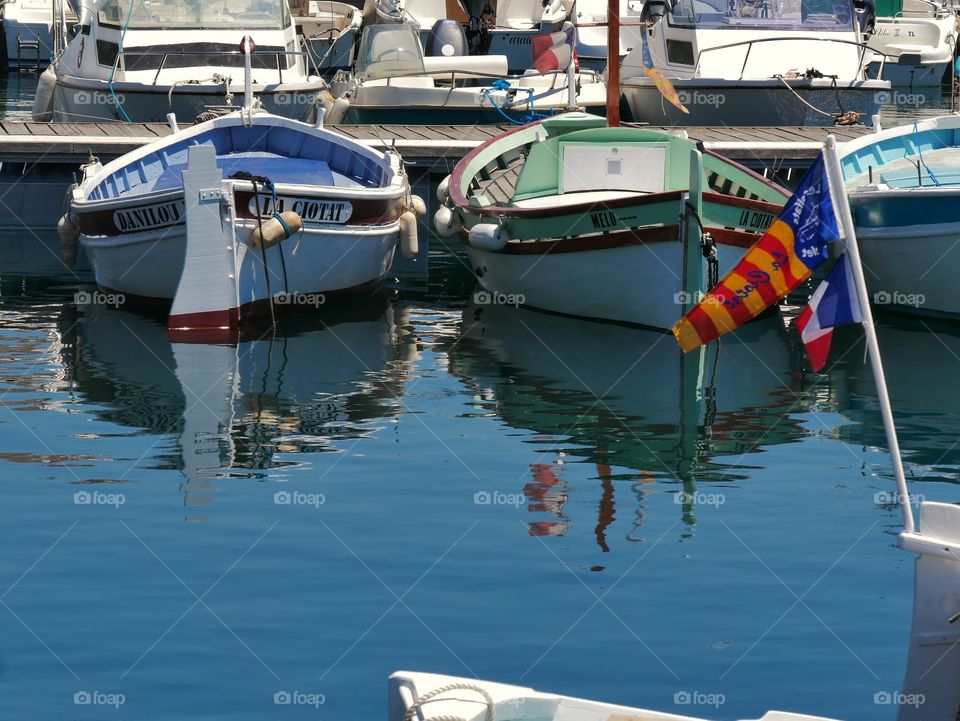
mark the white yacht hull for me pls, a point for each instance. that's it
(28, 32)
(754, 102)
(927, 75)
(80, 100)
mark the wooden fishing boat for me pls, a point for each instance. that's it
(903, 186)
(571, 216)
(245, 210)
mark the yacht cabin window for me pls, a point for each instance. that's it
(816, 15)
(195, 14)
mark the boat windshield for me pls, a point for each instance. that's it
(195, 14)
(390, 49)
(810, 15)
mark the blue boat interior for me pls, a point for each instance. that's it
(282, 154)
(923, 158)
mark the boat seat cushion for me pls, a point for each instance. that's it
(278, 168)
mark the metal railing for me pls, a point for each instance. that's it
(164, 55)
(864, 48)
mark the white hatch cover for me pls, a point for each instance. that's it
(592, 166)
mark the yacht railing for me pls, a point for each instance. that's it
(165, 55)
(864, 48)
(556, 75)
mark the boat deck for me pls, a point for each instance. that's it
(437, 147)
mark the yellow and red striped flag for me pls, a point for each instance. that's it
(661, 81)
(787, 254)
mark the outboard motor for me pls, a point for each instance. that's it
(446, 39)
(653, 10)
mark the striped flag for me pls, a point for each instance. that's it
(661, 81)
(554, 51)
(832, 305)
(794, 245)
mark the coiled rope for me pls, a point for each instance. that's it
(459, 686)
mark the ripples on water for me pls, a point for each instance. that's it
(417, 482)
(458, 485)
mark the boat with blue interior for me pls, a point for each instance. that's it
(287, 216)
(903, 185)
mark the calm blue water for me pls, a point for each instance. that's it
(415, 482)
(464, 484)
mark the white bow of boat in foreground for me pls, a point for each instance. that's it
(933, 664)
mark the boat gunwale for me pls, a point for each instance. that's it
(389, 163)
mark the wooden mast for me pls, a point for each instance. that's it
(613, 63)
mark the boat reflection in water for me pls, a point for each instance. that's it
(628, 402)
(237, 411)
(921, 360)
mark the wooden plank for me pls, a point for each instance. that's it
(410, 132)
(15, 128)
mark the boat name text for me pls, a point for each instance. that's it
(311, 211)
(149, 216)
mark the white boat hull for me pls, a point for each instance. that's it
(630, 284)
(927, 75)
(147, 266)
(754, 102)
(913, 268)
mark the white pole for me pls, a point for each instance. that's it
(842, 209)
(247, 74)
(572, 72)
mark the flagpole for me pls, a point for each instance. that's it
(613, 63)
(572, 70)
(842, 209)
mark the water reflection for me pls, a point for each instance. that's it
(920, 357)
(237, 411)
(626, 401)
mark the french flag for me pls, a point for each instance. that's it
(833, 304)
(554, 51)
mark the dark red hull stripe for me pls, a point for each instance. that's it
(170, 215)
(623, 239)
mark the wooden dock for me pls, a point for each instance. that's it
(436, 147)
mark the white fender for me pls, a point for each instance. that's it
(43, 100)
(409, 240)
(418, 207)
(69, 234)
(443, 190)
(274, 231)
(337, 111)
(488, 236)
(446, 222)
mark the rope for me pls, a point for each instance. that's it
(502, 84)
(263, 250)
(916, 132)
(412, 711)
(848, 118)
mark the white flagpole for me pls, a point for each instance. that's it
(572, 70)
(842, 209)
